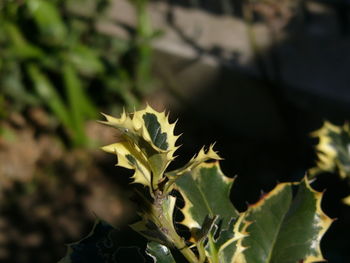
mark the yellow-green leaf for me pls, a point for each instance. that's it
(130, 157)
(151, 133)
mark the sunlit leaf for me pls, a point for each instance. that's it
(206, 191)
(130, 157)
(222, 247)
(283, 228)
(151, 133)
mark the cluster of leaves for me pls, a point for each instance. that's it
(46, 45)
(285, 225)
(333, 151)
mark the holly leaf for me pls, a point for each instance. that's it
(159, 253)
(206, 192)
(151, 134)
(283, 228)
(223, 248)
(202, 156)
(152, 226)
(105, 244)
(93, 248)
(333, 149)
(130, 157)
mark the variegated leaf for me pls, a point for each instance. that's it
(150, 133)
(333, 149)
(206, 191)
(159, 253)
(223, 248)
(154, 224)
(202, 156)
(131, 158)
(283, 228)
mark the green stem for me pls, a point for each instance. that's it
(183, 248)
(214, 258)
(164, 220)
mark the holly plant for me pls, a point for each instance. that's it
(285, 225)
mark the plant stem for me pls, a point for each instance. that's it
(213, 251)
(163, 217)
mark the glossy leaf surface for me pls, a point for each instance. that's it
(151, 136)
(206, 192)
(283, 228)
(159, 253)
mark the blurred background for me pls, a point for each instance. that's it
(255, 76)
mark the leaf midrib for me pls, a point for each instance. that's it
(275, 236)
(203, 197)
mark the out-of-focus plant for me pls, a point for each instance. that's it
(333, 151)
(285, 225)
(53, 55)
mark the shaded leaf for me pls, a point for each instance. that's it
(20, 47)
(98, 246)
(159, 253)
(155, 222)
(49, 95)
(105, 244)
(333, 149)
(283, 228)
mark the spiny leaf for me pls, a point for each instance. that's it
(333, 149)
(284, 229)
(131, 158)
(202, 156)
(98, 246)
(105, 244)
(206, 192)
(222, 249)
(159, 253)
(151, 133)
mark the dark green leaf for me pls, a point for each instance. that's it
(105, 244)
(98, 246)
(153, 127)
(20, 47)
(206, 191)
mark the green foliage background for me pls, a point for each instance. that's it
(53, 54)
